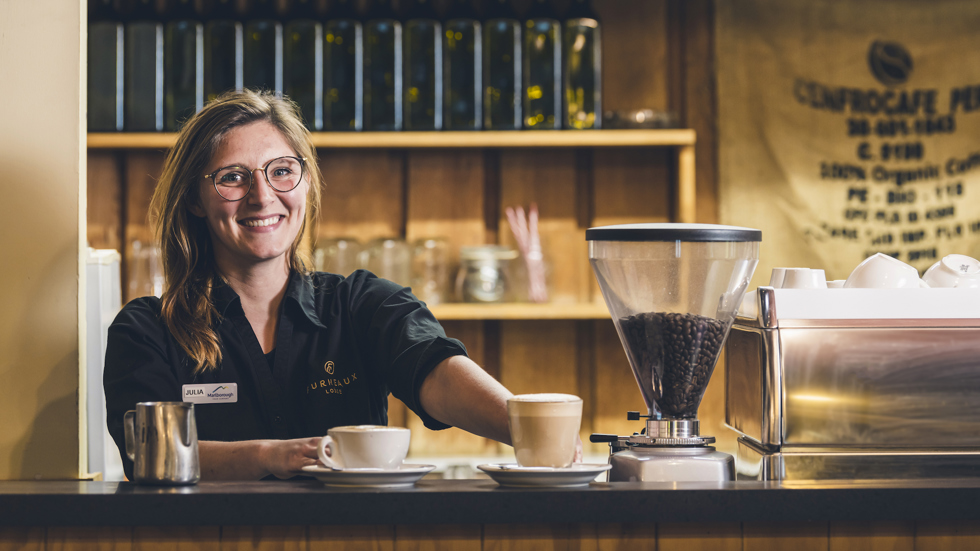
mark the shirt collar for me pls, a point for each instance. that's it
(299, 290)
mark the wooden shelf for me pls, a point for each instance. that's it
(520, 311)
(444, 139)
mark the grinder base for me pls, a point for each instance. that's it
(671, 464)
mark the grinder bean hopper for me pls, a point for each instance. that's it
(672, 291)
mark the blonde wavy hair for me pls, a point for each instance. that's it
(185, 242)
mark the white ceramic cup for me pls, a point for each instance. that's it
(364, 447)
(881, 271)
(804, 278)
(776, 277)
(835, 284)
(544, 428)
(954, 270)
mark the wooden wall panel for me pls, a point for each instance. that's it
(777, 536)
(351, 538)
(105, 195)
(634, 57)
(947, 536)
(691, 536)
(142, 169)
(700, 103)
(626, 536)
(177, 538)
(445, 199)
(89, 537)
(872, 536)
(363, 195)
(531, 537)
(632, 185)
(264, 538)
(451, 537)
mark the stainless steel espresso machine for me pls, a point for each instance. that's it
(672, 291)
(830, 384)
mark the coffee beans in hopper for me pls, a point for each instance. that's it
(674, 355)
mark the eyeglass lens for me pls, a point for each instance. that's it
(283, 174)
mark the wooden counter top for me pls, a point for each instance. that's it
(479, 502)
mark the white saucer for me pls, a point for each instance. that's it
(406, 475)
(512, 474)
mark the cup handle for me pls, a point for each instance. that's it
(327, 443)
(130, 431)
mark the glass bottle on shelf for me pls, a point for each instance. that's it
(343, 91)
(542, 68)
(382, 68)
(303, 61)
(223, 49)
(502, 45)
(423, 67)
(263, 47)
(462, 72)
(183, 64)
(105, 67)
(143, 68)
(582, 74)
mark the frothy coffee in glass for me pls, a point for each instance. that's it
(544, 427)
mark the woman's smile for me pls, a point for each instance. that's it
(261, 222)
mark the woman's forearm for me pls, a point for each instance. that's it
(256, 459)
(460, 393)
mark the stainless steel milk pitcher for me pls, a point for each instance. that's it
(161, 441)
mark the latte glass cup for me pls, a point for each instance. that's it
(544, 428)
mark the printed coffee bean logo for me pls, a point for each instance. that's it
(328, 367)
(890, 62)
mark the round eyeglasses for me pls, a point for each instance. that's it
(234, 182)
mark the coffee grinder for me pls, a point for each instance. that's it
(672, 291)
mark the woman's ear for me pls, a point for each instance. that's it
(194, 208)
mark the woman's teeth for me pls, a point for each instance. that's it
(260, 223)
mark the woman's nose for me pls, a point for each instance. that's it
(261, 192)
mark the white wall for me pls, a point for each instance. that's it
(42, 182)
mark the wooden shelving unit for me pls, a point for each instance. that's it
(682, 140)
(679, 137)
(519, 311)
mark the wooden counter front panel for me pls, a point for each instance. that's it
(798, 536)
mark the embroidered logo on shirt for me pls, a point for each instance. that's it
(214, 393)
(333, 385)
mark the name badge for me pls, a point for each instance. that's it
(214, 393)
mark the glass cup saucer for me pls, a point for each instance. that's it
(514, 475)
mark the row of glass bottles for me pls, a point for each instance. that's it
(347, 71)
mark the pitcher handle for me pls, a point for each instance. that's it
(130, 431)
(327, 443)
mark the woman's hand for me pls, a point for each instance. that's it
(286, 458)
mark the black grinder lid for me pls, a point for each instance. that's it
(672, 232)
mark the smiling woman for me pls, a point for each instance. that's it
(299, 351)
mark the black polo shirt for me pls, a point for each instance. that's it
(342, 345)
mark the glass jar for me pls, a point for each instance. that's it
(337, 255)
(483, 273)
(390, 258)
(429, 267)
